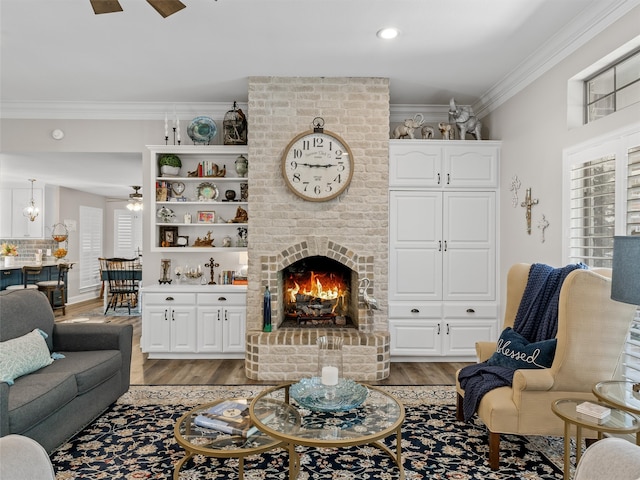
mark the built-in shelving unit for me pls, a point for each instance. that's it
(201, 195)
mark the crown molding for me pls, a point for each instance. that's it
(577, 33)
(113, 110)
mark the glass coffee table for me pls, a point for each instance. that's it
(278, 415)
(212, 443)
(618, 422)
(619, 394)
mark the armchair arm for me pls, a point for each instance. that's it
(484, 350)
(4, 409)
(96, 336)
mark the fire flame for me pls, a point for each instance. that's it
(321, 286)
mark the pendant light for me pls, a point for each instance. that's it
(31, 211)
(135, 200)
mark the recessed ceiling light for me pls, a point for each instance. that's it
(388, 33)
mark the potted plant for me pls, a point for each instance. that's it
(9, 251)
(169, 164)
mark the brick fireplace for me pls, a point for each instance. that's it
(350, 231)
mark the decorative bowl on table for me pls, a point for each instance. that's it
(312, 394)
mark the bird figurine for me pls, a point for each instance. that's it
(370, 302)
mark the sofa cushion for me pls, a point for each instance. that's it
(22, 355)
(90, 368)
(22, 311)
(514, 351)
(36, 396)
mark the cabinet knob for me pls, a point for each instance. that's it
(225, 316)
(415, 310)
(448, 179)
(470, 310)
(438, 329)
(222, 299)
(448, 329)
(169, 299)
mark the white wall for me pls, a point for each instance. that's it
(533, 128)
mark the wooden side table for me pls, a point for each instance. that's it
(619, 422)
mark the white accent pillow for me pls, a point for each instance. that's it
(23, 355)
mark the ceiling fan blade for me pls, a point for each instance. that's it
(166, 7)
(105, 6)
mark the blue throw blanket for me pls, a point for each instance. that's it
(536, 320)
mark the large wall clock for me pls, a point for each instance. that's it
(317, 165)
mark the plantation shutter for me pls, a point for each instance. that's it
(127, 233)
(592, 212)
(90, 246)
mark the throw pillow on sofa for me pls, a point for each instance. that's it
(515, 352)
(22, 355)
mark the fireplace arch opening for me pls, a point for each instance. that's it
(318, 291)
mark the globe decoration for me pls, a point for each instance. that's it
(202, 130)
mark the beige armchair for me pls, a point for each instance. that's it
(592, 330)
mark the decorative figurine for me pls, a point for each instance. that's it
(241, 216)
(466, 120)
(242, 237)
(447, 132)
(204, 242)
(407, 128)
(165, 269)
(427, 132)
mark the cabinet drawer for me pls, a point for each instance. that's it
(222, 298)
(169, 298)
(470, 311)
(415, 310)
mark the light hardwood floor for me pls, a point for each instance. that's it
(231, 372)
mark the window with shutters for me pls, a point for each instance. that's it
(127, 233)
(602, 199)
(90, 235)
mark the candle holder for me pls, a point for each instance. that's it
(329, 364)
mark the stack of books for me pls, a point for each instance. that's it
(229, 416)
(593, 411)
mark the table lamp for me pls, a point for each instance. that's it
(625, 276)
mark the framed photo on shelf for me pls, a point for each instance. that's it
(207, 216)
(168, 236)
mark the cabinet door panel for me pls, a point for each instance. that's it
(466, 166)
(469, 255)
(156, 329)
(209, 329)
(183, 329)
(234, 329)
(460, 336)
(5, 212)
(415, 239)
(415, 337)
(411, 165)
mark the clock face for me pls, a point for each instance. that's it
(317, 166)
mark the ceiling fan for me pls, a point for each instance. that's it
(163, 7)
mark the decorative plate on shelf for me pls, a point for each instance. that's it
(202, 130)
(312, 394)
(207, 191)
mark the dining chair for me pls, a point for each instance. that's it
(123, 279)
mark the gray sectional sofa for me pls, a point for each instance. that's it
(53, 403)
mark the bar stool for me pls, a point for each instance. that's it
(30, 278)
(55, 289)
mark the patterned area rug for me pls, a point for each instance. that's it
(134, 439)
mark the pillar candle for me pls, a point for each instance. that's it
(329, 375)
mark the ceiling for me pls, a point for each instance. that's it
(59, 52)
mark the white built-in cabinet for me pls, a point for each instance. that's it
(443, 202)
(198, 321)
